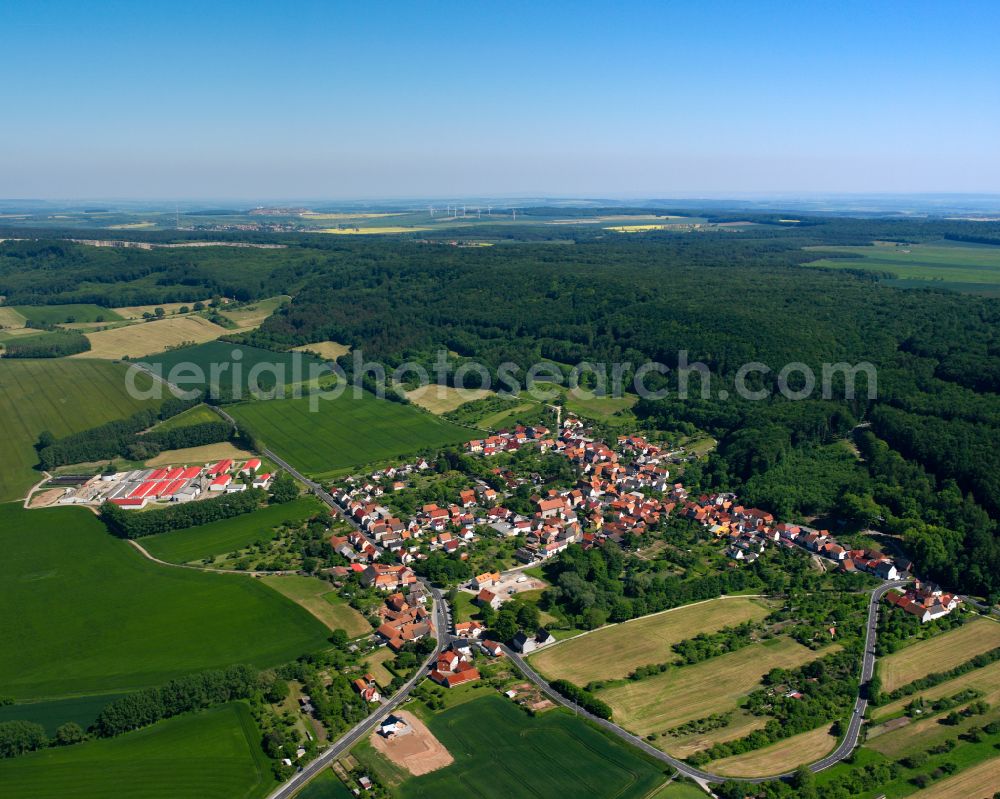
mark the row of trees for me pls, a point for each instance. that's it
(56, 344)
(129, 524)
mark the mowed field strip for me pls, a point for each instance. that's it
(344, 431)
(82, 612)
(780, 757)
(982, 780)
(58, 395)
(613, 652)
(659, 703)
(937, 654)
(212, 754)
(317, 596)
(150, 338)
(441, 399)
(985, 679)
(228, 535)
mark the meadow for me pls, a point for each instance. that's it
(253, 314)
(441, 399)
(66, 314)
(972, 268)
(61, 396)
(982, 780)
(612, 652)
(376, 665)
(150, 338)
(325, 785)
(82, 612)
(780, 757)
(940, 653)
(318, 597)
(344, 431)
(666, 700)
(228, 535)
(330, 350)
(196, 456)
(213, 754)
(984, 679)
(506, 754)
(199, 414)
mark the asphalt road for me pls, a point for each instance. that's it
(845, 748)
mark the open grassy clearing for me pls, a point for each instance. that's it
(58, 395)
(680, 790)
(9, 317)
(612, 652)
(506, 754)
(149, 338)
(318, 597)
(331, 350)
(344, 431)
(199, 414)
(252, 315)
(441, 399)
(61, 314)
(743, 724)
(659, 703)
(982, 780)
(213, 754)
(325, 785)
(170, 308)
(376, 665)
(779, 757)
(984, 679)
(227, 535)
(82, 612)
(196, 456)
(940, 653)
(955, 265)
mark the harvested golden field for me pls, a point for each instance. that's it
(318, 215)
(684, 746)
(355, 231)
(659, 703)
(980, 780)
(170, 308)
(441, 399)
(779, 758)
(150, 338)
(612, 652)
(331, 350)
(197, 455)
(938, 654)
(253, 315)
(985, 679)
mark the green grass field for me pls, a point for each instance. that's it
(326, 785)
(502, 753)
(58, 395)
(233, 357)
(971, 268)
(228, 535)
(344, 431)
(199, 414)
(318, 597)
(66, 314)
(51, 713)
(82, 612)
(213, 754)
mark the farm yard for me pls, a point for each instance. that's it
(612, 652)
(553, 754)
(40, 395)
(344, 432)
(213, 754)
(227, 535)
(134, 623)
(940, 653)
(779, 757)
(713, 686)
(149, 338)
(317, 596)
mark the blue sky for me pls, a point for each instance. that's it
(255, 100)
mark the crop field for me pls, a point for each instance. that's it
(228, 535)
(51, 713)
(612, 652)
(985, 679)
(659, 703)
(325, 785)
(234, 364)
(362, 231)
(250, 316)
(980, 780)
(506, 754)
(213, 754)
(149, 338)
(199, 414)
(779, 757)
(344, 431)
(82, 612)
(441, 399)
(61, 396)
(9, 318)
(331, 350)
(196, 456)
(318, 597)
(169, 308)
(940, 653)
(973, 268)
(62, 314)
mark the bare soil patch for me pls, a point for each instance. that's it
(419, 752)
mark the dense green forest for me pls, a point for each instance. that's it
(926, 464)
